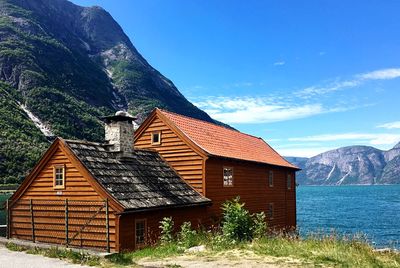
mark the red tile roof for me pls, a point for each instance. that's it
(221, 141)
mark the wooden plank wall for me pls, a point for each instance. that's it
(251, 184)
(176, 152)
(196, 215)
(49, 208)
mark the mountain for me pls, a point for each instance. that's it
(62, 67)
(350, 165)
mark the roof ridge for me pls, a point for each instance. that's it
(84, 142)
(105, 144)
(232, 129)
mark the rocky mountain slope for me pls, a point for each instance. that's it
(350, 165)
(63, 66)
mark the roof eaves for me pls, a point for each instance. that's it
(254, 161)
(289, 164)
(136, 210)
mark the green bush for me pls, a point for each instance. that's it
(237, 223)
(167, 229)
(187, 237)
(259, 225)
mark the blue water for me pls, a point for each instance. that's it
(371, 210)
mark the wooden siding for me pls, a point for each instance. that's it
(175, 151)
(196, 215)
(49, 208)
(251, 184)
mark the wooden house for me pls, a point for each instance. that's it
(112, 195)
(222, 163)
(105, 196)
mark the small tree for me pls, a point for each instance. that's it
(237, 222)
(167, 228)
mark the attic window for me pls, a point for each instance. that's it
(271, 178)
(228, 177)
(156, 138)
(59, 177)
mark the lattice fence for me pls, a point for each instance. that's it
(65, 222)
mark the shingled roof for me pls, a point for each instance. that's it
(142, 181)
(225, 142)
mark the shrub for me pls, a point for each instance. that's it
(259, 225)
(237, 222)
(167, 228)
(187, 237)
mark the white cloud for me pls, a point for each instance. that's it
(320, 90)
(383, 74)
(391, 125)
(373, 139)
(241, 84)
(357, 80)
(259, 110)
(280, 106)
(279, 63)
(303, 152)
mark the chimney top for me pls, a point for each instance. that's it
(119, 116)
(119, 133)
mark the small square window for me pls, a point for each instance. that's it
(156, 137)
(289, 181)
(140, 233)
(271, 178)
(270, 212)
(59, 177)
(228, 177)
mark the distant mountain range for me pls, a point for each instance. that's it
(363, 165)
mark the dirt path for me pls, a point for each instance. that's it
(14, 259)
(233, 258)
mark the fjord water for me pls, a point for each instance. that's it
(371, 210)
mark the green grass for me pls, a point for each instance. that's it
(330, 251)
(324, 251)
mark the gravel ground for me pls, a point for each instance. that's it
(228, 259)
(14, 259)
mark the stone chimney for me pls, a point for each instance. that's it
(119, 133)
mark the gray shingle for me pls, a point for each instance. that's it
(143, 181)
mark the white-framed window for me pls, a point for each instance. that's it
(271, 178)
(270, 212)
(59, 177)
(289, 181)
(140, 232)
(156, 137)
(228, 176)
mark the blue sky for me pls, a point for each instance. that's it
(307, 76)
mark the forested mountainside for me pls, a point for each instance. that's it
(62, 67)
(350, 165)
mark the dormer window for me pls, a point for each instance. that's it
(156, 138)
(59, 177)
